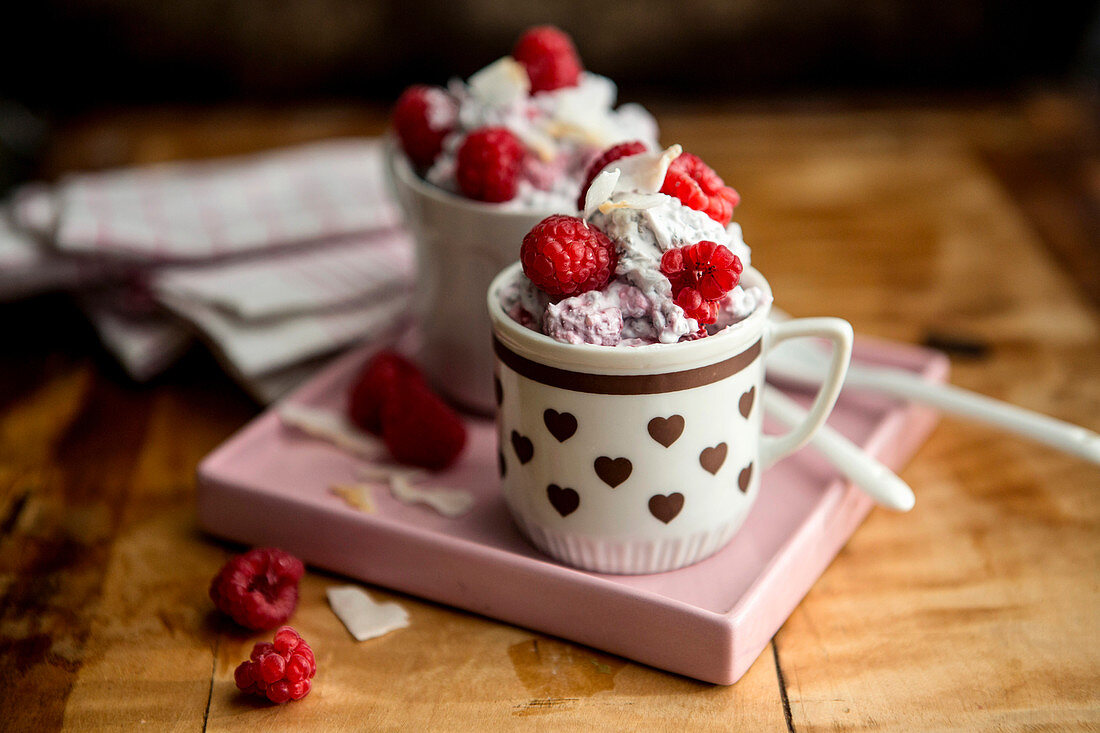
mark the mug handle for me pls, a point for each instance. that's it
(839, 332)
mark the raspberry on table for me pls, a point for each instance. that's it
(281, 671)
(422, 117)
(420, 429)
(701, 274)
(550, 58)
(699, 187)
(615, 152)
(488, 164)
(384, 374)
(259, 589)
(564, 256)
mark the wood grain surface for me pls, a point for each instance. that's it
(970, 225)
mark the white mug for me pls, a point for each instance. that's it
(643, 459)
(461, 245)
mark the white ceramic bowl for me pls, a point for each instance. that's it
(460, 245)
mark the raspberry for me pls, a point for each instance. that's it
(565, 256)
(258, 589)
(699, 187)
(550, 58)
(420, 429)
(280, 671)
(695, 306)
(622, 150)
(488, 164)
(422, 117)
(700, 275)
(385, 374)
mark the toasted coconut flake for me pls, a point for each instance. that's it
(501, 83)
(358, 496)
(595, 136)
(362, 616)
(645, 173)
(539, 143)
(448, 502)
(600, 190)
(332, 428)
(380, 473)
(633, 201)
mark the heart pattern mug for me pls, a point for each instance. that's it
(642, 459)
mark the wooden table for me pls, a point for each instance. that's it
(973, 224)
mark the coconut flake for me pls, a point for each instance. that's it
(383, 474)
(448, 502)
(501, 83)
(358, 496)
(362, 616)
(542, 144)
(600, 190)
(330, 427)
(639, 201)
(645, 172)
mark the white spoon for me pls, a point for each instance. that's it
(875, 479)
(804, 363)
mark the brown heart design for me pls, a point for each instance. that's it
(712, 458)
(666, 430)
(744, 478)
(613, 471)
(523, 447)
(565, 501)
(502, 464)
(666, 508)
(561, 425)
(498, 390)
(744, 405)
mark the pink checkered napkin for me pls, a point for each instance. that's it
(144, 343)
(213, 209)
(254, 348)
(33, 209)
(27, 267)
(352, 269)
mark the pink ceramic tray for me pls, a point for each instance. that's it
(270, 486)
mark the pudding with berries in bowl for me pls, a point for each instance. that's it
(629, 345)
(475, 165)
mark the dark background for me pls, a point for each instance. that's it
(70, 56)
(65, 62)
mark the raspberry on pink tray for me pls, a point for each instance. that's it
(520, 132)
(391, 398)
(652, 259)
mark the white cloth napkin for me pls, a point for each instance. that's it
(274, 260)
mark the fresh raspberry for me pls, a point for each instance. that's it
(622, 150)
(695, 306)
(565, 256)
(489, 163)
(550, 58)
(422, 117)
(385, 374)
(420, 429)
(258, 589)
(700, 275)
(699, 187)
(281, 671)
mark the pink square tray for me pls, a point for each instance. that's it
(268, 485)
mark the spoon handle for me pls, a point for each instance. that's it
(1062, 435)
(875, 479)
